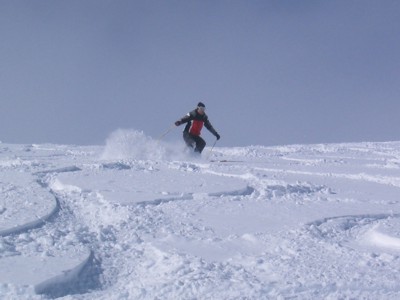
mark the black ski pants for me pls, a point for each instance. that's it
(192, 140)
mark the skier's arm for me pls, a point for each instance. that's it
(184, 119)
(208, 125)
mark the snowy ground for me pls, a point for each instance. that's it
(137, 219)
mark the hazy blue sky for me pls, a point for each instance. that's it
(269, 72)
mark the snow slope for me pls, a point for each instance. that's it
(141, 219)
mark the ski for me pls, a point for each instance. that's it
(225, 160)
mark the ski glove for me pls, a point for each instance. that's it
(217, 136)
(177, 123)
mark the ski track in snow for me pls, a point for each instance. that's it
(289, 222)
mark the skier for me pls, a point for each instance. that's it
(195, 121)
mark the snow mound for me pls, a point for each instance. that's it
(379, 239)
(49, 275)
(24, 204)
(148, 185)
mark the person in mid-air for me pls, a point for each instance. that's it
(195, 120)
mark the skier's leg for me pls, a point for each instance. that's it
(200, 144)
(188, 139)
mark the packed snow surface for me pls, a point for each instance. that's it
(143, 219)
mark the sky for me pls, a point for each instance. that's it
(269, 72)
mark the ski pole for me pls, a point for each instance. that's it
(209, 154)
(168, 131)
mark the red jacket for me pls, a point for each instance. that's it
(195, 122)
